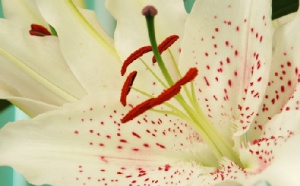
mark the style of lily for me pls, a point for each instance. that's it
(216, 102)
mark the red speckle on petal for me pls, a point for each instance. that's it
(228, 60)
(146, 145)
(282, 89)
(206, 81)
(160, 145)
(136, 135)
(236, 53)
(123, 141)
(229, 83)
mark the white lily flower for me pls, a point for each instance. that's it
(33, 67)
(219, 107)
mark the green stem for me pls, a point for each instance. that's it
(151, 33)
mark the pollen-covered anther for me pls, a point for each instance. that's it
(135, 55)
(127, 87)
(38, 30)
(166, 95)
(137, 110)
(168, 42)
(188, 77)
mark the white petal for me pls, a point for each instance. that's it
(284, 19)
(79, 3)
(92, 59)
(266, 154)
(30, 106)
(131, 32)
(259, 156)
(91, 17)
(84, 143)
(22, 13)
(285, 168)
(231, 43)
(36, 67)
(284, 83)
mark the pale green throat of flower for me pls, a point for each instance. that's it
(193, 114)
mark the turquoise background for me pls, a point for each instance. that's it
(8, 177)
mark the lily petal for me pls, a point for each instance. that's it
(128, 13)
(284, 19)
(84, 144)
(285, 162)
(91, 58)
(283, 87)
(32, 66)
(23, 13)
(30, 106)
(230, 43)
(280, 129)
(263, 153)
(91, 17)
(79, 3)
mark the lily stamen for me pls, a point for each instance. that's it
(166, 95)
(167, 43)
(39, 30)
(127, 87)
(137, 110)
(135, 55)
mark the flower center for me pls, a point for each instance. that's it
(192, 113)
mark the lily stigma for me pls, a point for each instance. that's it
(216, 102)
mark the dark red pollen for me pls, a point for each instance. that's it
(135, 55)
(166, 95)
(136, 111)
(189, 76)
(38, 30)
(169, 41)
(163, 97)
(127, 87)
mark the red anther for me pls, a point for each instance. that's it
(127, 87)
(39, 30)
(175, 89)
(169, 41)
(136, 111)
(135, 55)
(166, 95)
(188, 77)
